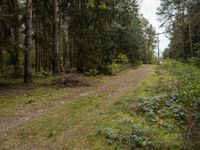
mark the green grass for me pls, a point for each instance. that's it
(53, 124)
(120, 122)
(39, 97)
(15, 95)
(86, 119)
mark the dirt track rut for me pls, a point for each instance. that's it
(114, 88)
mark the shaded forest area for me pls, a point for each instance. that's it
(62, 36)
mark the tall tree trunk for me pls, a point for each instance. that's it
(1, 60)
(36, 46)
(17, 34)
(148, 50)
(28, 43)
(36, 38)
(1, 48)
(56, 36)
(16, 65)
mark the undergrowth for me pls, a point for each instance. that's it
(164, 117)
(148, 123)
(189, 93)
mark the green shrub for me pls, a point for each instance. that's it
(167, 106)
(114, 68)
(92, 72)
(121, 59)
(194, 61)
(189, 94)
(111, 136)
(140, 137)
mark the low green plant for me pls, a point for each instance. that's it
(167, 106)
(111, 136)
(189, 94)
(147, 120)
(140, 137)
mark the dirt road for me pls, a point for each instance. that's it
(77, 134)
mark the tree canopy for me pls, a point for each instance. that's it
(181, 20)
(72, 35)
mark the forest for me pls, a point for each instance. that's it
(67, 36)
(92, 75)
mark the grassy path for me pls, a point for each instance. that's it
(71, 118)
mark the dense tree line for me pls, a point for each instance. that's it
(72, 35)
(182, 20)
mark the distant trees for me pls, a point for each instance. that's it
(72, 35)
(9, 33)
(150, 41)
(181, 19)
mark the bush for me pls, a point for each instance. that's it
(121, 59)
(114, 68)
(194, 61)
(138, 137)
(92, 72)
(112, 137)
(167, 106)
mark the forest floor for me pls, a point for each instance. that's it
(48, 117)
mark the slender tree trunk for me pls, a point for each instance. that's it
(28, 43)
(1, 49)
(148, 49)
(71, 50)
(17, 34)
(40, 44)
(36, 47)
(1, 60)
(36, 38)
(16, 69)
(183, 44)
(66, 45)
(56, 42)
(49, 41)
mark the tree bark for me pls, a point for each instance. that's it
(1, 49)
(16, 65)
(1, 60)
(36, 38)
(28, 43)
(17, 34)
(56, 38)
